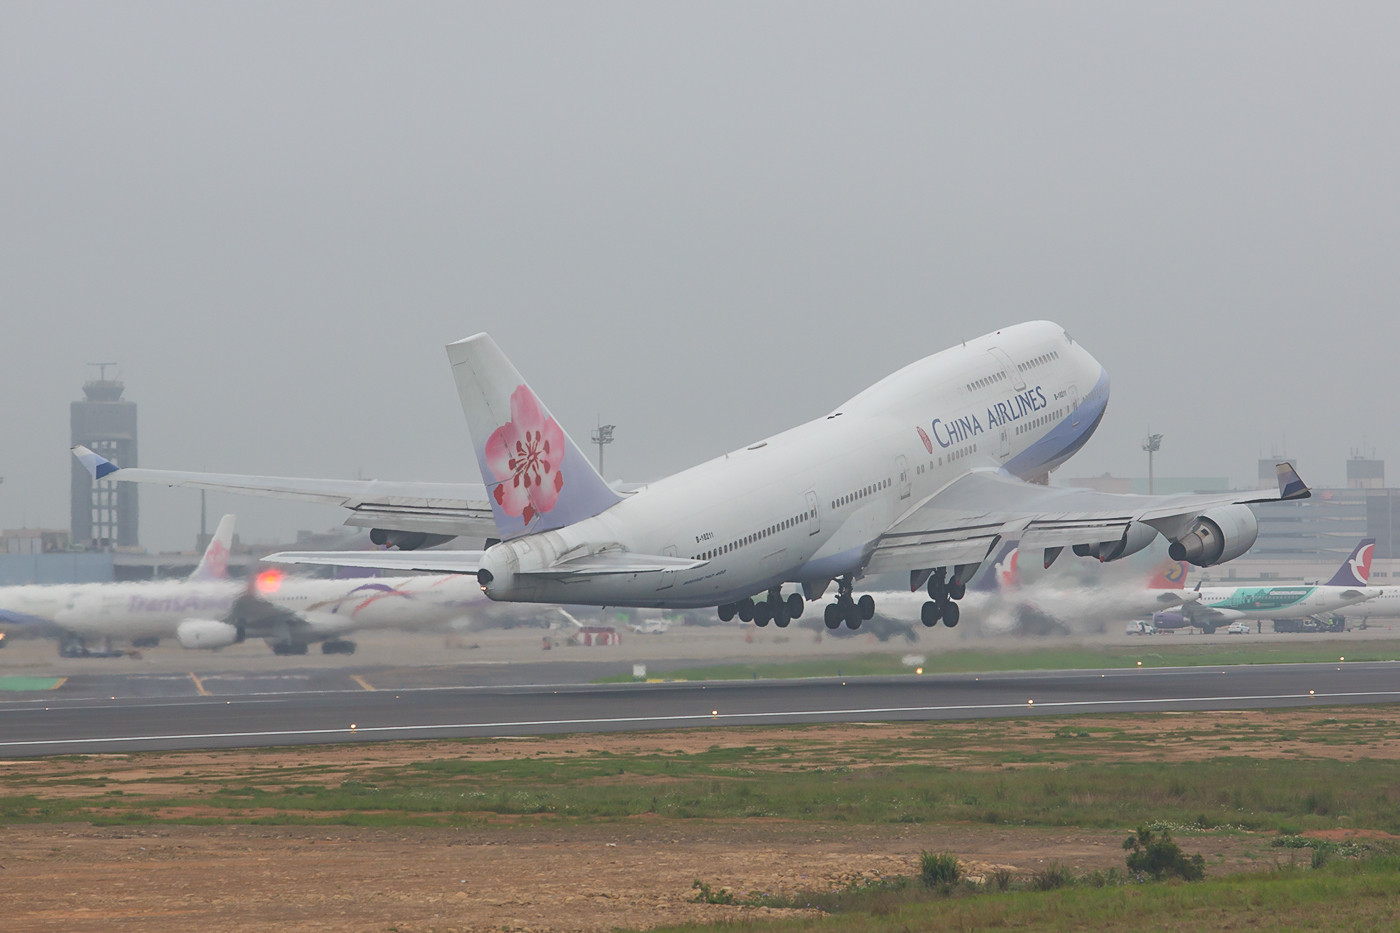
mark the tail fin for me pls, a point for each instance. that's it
(536, 477)
(1356, 569)
(1169, 576)
(214, 564)
(1003, 574)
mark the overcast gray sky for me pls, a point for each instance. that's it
(705, 222)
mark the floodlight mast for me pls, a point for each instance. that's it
(1152, 445)
(602, 436)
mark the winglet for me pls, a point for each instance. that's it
(97, 465)
(1290, 484)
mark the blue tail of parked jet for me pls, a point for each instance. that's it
(1356, 569)
(1002, 574)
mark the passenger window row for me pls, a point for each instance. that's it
(860, 493)
(1038, 361)
(759, 535)
(985, 381)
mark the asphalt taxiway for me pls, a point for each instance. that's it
(239, 709)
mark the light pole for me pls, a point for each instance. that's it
(602, 437)
(1153, 444)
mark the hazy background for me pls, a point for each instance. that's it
(705, 222)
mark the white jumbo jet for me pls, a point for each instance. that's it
(922, 473)
(208, 610)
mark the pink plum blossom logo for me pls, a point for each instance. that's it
(524, 454)
(216, 559)
(928, 445)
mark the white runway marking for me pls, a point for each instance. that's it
(1118, 705)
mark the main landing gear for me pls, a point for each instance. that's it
(848, 609)
(942, 604)
(773, 609)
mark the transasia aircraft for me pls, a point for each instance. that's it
(923, 473)
(208, 610)
(1213, 606)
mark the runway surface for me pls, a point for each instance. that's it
(184, 711)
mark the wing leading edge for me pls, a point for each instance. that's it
(961, 523)
(433, 508)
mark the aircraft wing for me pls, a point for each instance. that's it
(435, 561)
(962, 522)
(434, 508)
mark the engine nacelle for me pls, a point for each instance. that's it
(1217, 536)
(1137, 536)
(406, 540)
(1169, 618)
(207, 633)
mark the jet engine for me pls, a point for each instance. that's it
(1217, 536)
(406, 540)
(207, 633)
(1138, 536)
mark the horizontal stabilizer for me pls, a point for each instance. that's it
(429, 561)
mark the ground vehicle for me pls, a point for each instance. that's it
(1141, 628)
(1238, 628)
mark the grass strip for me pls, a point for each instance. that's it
(1348, 895)
(1269, 771)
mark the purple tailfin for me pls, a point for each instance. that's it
(1356, 569)
(1002, 573)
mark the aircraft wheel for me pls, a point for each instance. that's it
(851, 612)
(745, 610)
(833, 615)
(780, 618)
(866, 605)
(795, 605)
(957, 589)
(930, 614)
(726, 612)
(761, 614)
(950, 614)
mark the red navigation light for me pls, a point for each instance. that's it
(270, 581)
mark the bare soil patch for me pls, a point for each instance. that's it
(535, 874)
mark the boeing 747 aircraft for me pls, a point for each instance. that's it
(923, 473)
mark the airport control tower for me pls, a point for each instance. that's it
(104, 514)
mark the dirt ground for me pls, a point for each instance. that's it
(525, 875)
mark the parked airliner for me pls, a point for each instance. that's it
(208, 610)
(1207, 607)
(924, 473)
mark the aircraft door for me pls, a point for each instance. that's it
(1008, 367)
(1004, 448)
(1073, 394)
(814, 521)
(901, 471)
